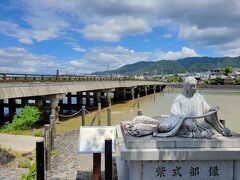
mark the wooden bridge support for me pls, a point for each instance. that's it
(54, 105)
(24, 101)
(1, 111)
(133, 92)
(69, 102)
(146, 90)
(12, 108)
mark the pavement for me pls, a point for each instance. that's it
(21, 144)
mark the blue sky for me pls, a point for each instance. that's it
(84, 36)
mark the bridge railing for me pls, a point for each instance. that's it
(38, 77)
(8, 77)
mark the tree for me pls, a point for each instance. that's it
(25, 119)
(227, 70)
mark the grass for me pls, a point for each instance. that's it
(31, 132)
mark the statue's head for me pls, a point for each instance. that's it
(189, 86)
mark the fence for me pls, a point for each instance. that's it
(5, 77)
(45, 147)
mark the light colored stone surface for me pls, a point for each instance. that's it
(236, 170)
(122, 168)
(187, 170)
(179, 142)
(175, 153)
(12, 173)
(146, 163)
(92, 139)
(19, 143)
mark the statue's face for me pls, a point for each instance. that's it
(191, 88)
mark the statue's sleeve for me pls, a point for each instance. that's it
(176, 108)
(205, 105)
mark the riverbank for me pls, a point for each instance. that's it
(210, 87)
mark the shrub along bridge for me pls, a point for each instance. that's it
(65, 94)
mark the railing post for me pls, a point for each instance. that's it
(138, 106)
(52, 130)
(47, 147)
(4, 76)
(83, 115)
(99, 114)
(40, 160)
(108, 159)
(109, 116)
(96, 166)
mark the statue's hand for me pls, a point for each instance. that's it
(226, 132)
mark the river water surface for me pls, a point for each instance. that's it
(228, 102)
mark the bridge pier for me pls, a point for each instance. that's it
(109, 98)
(12, 108)
(69, 102)
(54, 100)
(98, 97)
(1, 111)
(146, 90)
(133, 92)
(24, 101)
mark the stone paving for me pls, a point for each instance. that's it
(67, 163)
(12, 173)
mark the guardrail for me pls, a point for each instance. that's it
(7, 77)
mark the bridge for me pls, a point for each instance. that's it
(54, 94)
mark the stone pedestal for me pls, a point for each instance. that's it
(143, 158)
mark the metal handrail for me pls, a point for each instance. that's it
(7, 77)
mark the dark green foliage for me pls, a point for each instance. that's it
(206, 82)
(227, 70)
(32, 173)
(175, 79)
(217, 81)
(25, 119)
(191, 64)
(237, 82)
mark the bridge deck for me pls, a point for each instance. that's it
(36, 88)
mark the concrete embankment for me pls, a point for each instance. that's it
(205, 86)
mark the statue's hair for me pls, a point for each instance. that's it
(187, 80)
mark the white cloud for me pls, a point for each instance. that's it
(230, 52)
(208, 36)
(14, 30)
(98, 59)
(79, 49)
(19, 60)
(167, 36)
(204, 23)
(183, 53)
(113, 29)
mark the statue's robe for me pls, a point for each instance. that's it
(175, 124)
(192, 106)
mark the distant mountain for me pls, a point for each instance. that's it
(191, 64)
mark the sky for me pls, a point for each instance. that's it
(85, 36)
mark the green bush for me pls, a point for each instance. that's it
(218, 80)
(25, 119)
(37, 133)
(237, 82)
(175, 79)
(206, 82)
(32, 173)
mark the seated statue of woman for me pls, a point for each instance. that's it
(190, 116)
